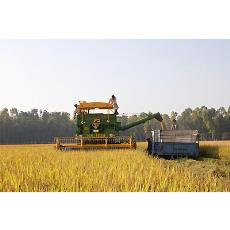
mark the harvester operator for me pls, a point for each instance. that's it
(174, 126)
(174, 122)
(76, 111)
(113, 101)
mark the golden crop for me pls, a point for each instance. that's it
(40, 168)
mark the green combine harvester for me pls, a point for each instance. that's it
(100, 130)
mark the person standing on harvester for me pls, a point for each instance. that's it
(113, 101)
(76, 111)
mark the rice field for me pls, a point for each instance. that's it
(40, 168)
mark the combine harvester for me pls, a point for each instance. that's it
(100, 130)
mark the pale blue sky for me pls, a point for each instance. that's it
(145, 75)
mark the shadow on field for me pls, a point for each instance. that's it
(209, 152)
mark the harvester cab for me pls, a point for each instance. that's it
(98, 130)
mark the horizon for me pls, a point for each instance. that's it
(49, 111)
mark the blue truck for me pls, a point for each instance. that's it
(175, 144)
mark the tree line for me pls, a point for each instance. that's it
(33, 127)
(39, 126)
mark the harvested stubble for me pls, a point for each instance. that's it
(39, 168)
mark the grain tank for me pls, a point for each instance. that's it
(176, 143)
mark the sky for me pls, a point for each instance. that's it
(145, 75)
